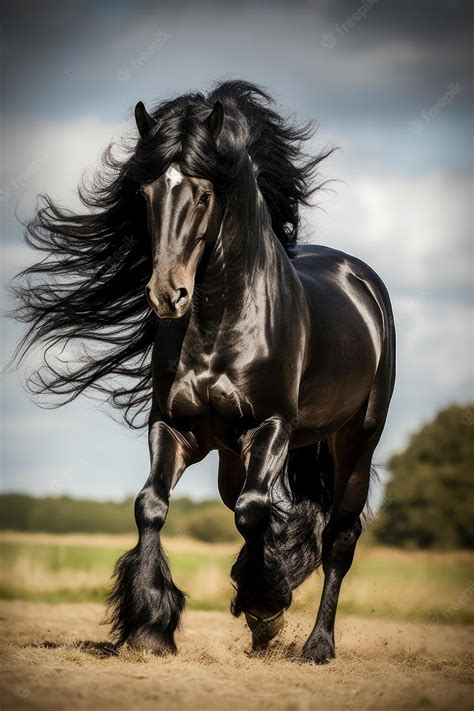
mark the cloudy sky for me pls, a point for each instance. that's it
(389, 83)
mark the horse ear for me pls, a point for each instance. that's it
(215, 120)
(145, 122)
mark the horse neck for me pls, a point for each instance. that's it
(248, 269)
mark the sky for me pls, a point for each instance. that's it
(388, 82)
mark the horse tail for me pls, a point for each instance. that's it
(303, 510)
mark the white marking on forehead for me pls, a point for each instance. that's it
(173, 177)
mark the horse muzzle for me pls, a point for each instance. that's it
(170, 303)
(264, 629)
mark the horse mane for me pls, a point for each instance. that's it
(86, 297)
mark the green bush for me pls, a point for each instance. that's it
(213, 525)
(428, 498)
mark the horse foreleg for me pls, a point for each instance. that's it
(262, 589)
(146, 604)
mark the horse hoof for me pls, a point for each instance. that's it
(264, 629)
(148, 639)
(319, 652)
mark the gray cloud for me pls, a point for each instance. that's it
(67, 57)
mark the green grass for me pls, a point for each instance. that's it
(56, 557)
(429, 589)
(382, 582)
(50, 572)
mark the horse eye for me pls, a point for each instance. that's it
(204, 199)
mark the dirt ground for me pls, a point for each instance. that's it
(55, 657)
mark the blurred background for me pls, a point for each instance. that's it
(390, 84)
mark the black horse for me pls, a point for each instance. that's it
(279, 356)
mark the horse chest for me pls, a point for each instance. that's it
(200, 394)
(218, 377)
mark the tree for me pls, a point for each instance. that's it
(428, 498)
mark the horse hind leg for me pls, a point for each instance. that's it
(352, 451)
(231, 477)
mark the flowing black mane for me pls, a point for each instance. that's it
(88, 291)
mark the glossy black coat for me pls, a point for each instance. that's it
(274, 353)
(281, 357)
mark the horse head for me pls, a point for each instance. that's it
(183, 215)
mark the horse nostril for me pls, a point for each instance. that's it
(181, 298)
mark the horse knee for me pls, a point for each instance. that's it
(252, 513)
(151, 509)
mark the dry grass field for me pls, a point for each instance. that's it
(404, 635)
(56, 657)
